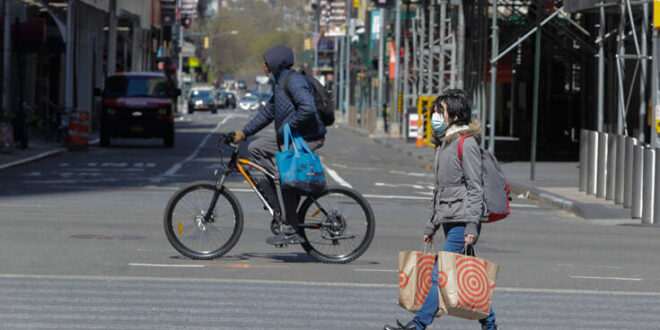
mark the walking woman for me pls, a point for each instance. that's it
(458, 203)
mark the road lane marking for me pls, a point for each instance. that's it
(396, 197)
(427, 175)
(33, 158)
(308, 283)
(333, 174)
(591, 266)
(135, 264)
(176, 167)
(375, 270)
(400, 185)
(580, 277)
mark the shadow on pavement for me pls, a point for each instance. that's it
(126, 164)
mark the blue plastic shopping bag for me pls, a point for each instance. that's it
(299, 167)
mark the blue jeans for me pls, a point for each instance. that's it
(454, 242)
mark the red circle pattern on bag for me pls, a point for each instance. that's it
(403, 280)
(474, 287)
(425, 265)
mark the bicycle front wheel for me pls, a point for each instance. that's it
(197, 235)
(338, 225)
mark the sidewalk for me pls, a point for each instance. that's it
(556, 183)
(37, 149)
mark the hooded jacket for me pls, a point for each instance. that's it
(458, 195)
(296, 108)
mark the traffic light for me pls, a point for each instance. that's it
(186, 21)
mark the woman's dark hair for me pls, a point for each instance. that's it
(458, 107)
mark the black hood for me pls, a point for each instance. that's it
(278, 58)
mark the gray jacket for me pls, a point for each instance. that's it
(458, 195)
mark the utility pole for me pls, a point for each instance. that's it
(6, 59)
(347, 76)
(642, 77)
(394, 108)
(535, 110)
(69, 102)
(601, 72)
(342, 72)
(335, 72)
(179, 66)
(493, 78)
(112, 38)
(653, 136)
(317, 28)
(380, 123)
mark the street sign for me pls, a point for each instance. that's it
(413, 125)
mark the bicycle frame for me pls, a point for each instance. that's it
(239, 165)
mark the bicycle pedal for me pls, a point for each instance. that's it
(281, 246)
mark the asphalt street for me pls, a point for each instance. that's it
(83, 247)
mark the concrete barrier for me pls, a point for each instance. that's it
(584, 156)
(648, 190)
(593, 163)
(630, 156)
(611, 168)
(638, 182)
(601, 171)
(620, 168)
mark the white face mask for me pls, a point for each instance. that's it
(438, 124)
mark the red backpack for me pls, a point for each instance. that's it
(497, 191)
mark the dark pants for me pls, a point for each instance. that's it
(262, 151)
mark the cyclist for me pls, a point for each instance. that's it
(296, 107)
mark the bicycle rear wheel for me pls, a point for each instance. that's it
(192, 233)
(338, 225)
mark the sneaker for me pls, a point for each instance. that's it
(284, 239)
(408, 326)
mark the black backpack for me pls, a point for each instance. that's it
(324, 103)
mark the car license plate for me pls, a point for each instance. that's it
(137, 129)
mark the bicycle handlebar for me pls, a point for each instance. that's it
(227, 138)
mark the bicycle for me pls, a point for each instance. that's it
(324, 223)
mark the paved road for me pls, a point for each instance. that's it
(89, 227)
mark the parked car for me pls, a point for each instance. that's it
(202, 99)
(226, 99)
(249, 102)
(138, 104)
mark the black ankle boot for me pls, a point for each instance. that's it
(408, 326)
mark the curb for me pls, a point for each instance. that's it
(46, 154)
(545, 197)
(40, 156)
(585, 211)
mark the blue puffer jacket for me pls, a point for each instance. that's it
(299, 110)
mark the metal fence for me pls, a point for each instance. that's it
(623, 170)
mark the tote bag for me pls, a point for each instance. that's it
(299, 168)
